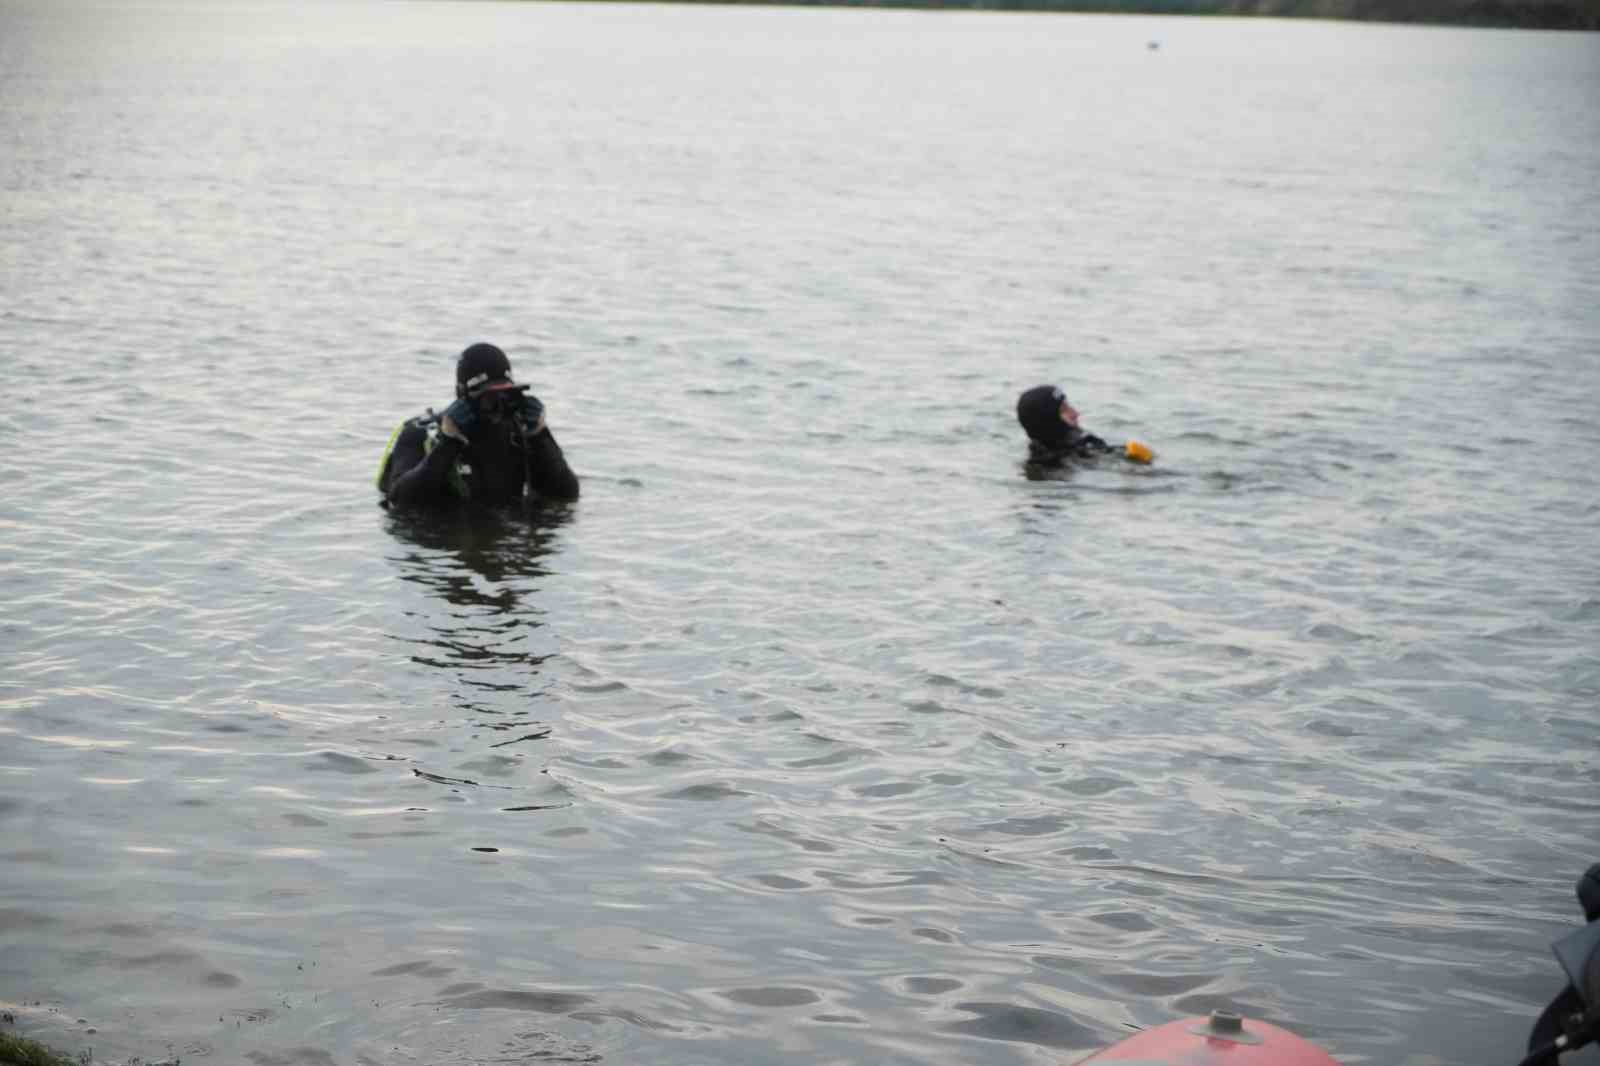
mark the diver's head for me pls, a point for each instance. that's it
(483, 374)
(482, 368)
(1046, 416)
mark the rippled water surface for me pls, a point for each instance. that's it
(818, 731)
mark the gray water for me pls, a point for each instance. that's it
(817, 731)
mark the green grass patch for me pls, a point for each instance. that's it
(17, 1051)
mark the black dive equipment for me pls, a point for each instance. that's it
(1572, 1020)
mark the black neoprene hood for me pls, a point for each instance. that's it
(1039, 411)
(479, 365)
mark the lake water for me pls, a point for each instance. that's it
(818, 731)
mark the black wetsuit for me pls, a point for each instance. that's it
(1076, 445)
(1079, 445)
(497, 467)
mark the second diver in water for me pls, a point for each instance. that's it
(490, 446)
(1051, 423)
(1054, 435)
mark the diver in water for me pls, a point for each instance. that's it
(490, 446)
(1051, 423)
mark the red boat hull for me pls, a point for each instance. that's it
(1191, 1042)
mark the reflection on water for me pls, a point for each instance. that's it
(497, 544)
(486, 564)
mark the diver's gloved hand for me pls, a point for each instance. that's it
(1093, 444)
(530, 415)
(460, 419)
